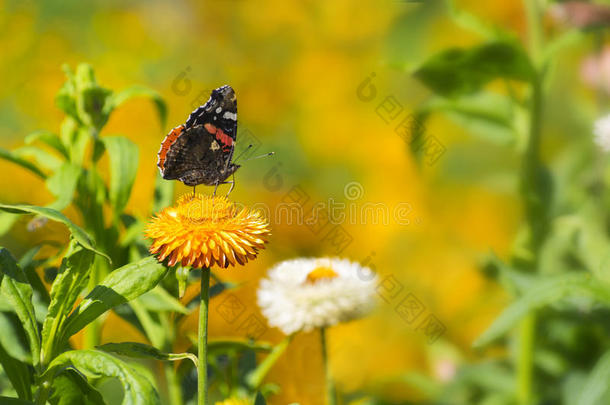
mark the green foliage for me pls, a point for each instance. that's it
(119, 287)
(34, 347)
(95, 364)
(140, 350)
(461, 71)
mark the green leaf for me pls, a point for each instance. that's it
(159, 300)
(123, 156)
(70, 388)
(49, 139)
(542, 294)
(260, 399)
(70, 281)
(473, 23)
(164, 193)
(90, 97)
(66, 96)
(143, 351)
(151, 323)
(7, 221)
(14, 401)
(596, 386)
(44, 159)
(11, 338)
(95, 364)
(119, 287)
(77, 233)
(238, 345)
(460, 71)
(18, 292)
(18, 373)
(487, 115)
(12, 157)
(63, 184)
(121, 97)
(90, 106)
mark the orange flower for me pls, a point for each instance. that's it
(201, 231)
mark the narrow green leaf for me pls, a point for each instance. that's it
(77, 233)
(11, 157)
(460, 71)
(63, 184)
(18, 373)
(159, 300)
(121, 97)
(95, 364)
(119, 287)
(542, 294)
(70, 281)
(43, 158)
(49, 139)
(143, 351)
(484, 114)
(7, 220)
(14, 401)
(123, 156)
(151, 323)
(596, 386)
(224, 345)
(19, 293)
(473, 23)
(11, 337)
(70, 388)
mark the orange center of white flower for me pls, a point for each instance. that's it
(320, 273)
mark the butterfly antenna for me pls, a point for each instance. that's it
(243, 153)
(261, 156)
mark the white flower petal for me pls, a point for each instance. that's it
(292, 304)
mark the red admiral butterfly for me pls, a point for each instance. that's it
(200, 151)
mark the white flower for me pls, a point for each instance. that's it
(602, 133)
(307, 293)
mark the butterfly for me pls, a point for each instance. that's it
(200, 151)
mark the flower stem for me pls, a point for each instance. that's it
(535, 182)
(173, 385)
(525, 360)
(256, 377)
(331, 394)
(202, 378)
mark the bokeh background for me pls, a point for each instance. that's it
(296, 68)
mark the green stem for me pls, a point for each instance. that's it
(534, 189)
(331, 394)
(173, 385)
(256, 377)
(534, 14)
(526, 353)
(44, 389)
(202, 378)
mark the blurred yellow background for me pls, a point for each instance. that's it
(296, 68)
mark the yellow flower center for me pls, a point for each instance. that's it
(200, 210)
(320, 273)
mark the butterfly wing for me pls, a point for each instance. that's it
(194, 157)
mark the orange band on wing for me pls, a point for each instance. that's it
(220, 135)
(166, 144)
(224, 138)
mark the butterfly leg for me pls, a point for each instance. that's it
(215, 188)
(232, 185)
